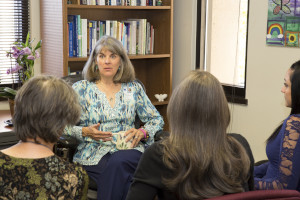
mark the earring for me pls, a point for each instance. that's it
(96, 67)
(119, 68)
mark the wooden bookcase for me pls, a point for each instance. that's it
(154, 70)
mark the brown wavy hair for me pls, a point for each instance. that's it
(44, 106)
(204, 161)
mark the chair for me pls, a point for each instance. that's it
(67, 145)
(262, 195)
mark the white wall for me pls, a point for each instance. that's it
(184, 42)
(35, 34)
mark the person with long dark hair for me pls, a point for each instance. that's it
(282, 171)
(199, 159)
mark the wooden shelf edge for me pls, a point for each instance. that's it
(70, 6)
(160, 103)
(131, 56)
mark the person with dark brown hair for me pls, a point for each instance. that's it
(44, 106)
(283, 148)
(199, 160)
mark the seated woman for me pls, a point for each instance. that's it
(29, 170)
(110, 98)
(198, 160)
(283, 146)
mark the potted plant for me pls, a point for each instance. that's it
(25, 54)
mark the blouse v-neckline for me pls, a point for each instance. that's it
(106, 101)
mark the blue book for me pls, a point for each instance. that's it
(90, 35)
(73, 18)
(70, 39)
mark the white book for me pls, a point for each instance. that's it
(101, 2)
(133, 3)
(107, 27)
(143, 2)
(115, 29)
(113, 3)
(84, 37)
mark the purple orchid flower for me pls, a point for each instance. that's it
(37, 54)
(27, 51)
(14, 69)
(31, 57)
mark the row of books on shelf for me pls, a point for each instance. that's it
(136, 35)
(122, 2)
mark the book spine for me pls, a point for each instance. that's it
(79, 32)
(133, 3)
(83, 2)
(107, 28)
(148, 38)
(70, 39)
(75, 34)
(84, 37)
(152, 39)
(143, 3)
(113, 2)
(91, 36)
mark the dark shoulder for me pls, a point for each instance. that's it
(155, 149)
(241, 139)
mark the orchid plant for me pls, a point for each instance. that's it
(25, 55)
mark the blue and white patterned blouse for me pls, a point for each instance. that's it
(131, 99)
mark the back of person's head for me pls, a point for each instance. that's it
(126, 71)
(44, 105)
(205, 162)
(295, 87)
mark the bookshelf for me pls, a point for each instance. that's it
(154, 70)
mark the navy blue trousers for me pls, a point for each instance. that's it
(113, 174)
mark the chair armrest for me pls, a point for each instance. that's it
(161, 135)
(66, 147)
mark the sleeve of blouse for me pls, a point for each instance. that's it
(147, 177)
(76, 131)
(148, 113)
(289, 167)
(260, 170)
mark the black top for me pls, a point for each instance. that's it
(147, 181)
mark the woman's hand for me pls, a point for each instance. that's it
(136, 135)
(94, 133)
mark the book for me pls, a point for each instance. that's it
(151, 39)
(70, 38)
(107, 27)
(90, 36)
(73, 18)
(79, 35)
(101, 2)
(84, 37)
(83, 2)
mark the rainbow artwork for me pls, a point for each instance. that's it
(283, 26)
